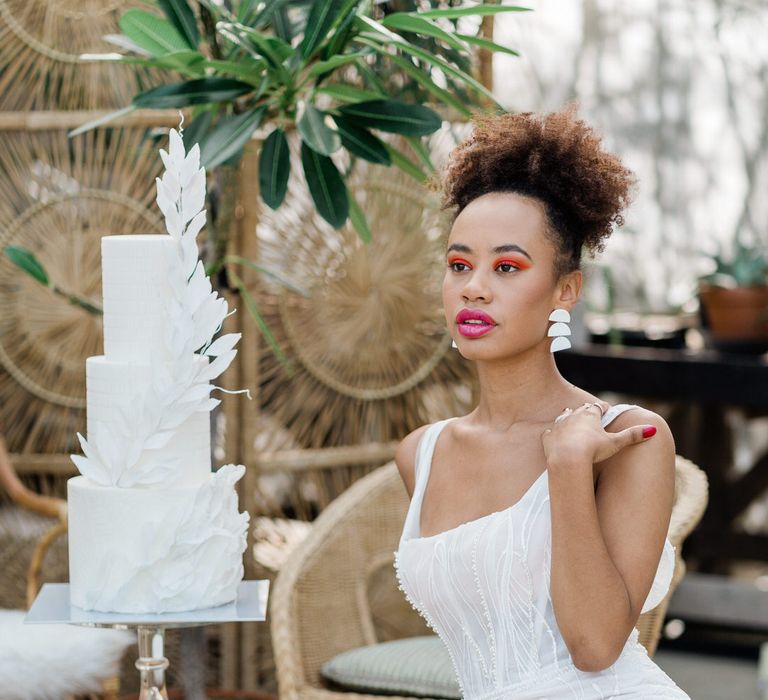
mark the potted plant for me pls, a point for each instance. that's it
(734, 300)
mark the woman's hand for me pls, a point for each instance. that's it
(579, 434)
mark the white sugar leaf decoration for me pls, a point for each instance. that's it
(210, 405)
(91, 470)
(149, 474)
(191, 165)
(193, 197)
(167, 192)
(219, 364)
(176, 150)
(135, 448)
(198, 289)
(166, 159)
(85, 447)
(173, 223)
(223, 344)
(189, 254)
(171, 185)
(196, 392)
(196, 225)
(108, 448)
(158, 440)
(167, 206)
(91, 466)
(208, 319)
(180, 415)
(185, 368)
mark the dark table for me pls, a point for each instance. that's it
(700, 385)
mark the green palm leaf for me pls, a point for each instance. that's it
(359, 222)
(191, 92)
(229, 137)
(326, 186)
(181, 16)
(274, 168)
(362, 142)
(152, 33)
(316, 133)
(321, 18)
(393, 116)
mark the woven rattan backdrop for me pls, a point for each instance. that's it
(40, 46)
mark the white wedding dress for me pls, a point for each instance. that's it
(483, 587)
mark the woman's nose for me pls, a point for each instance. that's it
(475, 286)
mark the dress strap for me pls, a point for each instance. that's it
(422, 466)
(615, 411)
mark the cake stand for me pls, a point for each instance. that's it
(52, 606)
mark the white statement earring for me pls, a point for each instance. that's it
(453, 344)
(559, 330)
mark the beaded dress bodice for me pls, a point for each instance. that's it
(483, 587)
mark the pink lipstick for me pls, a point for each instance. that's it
(473, 323)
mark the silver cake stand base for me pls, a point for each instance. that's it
(52, 606)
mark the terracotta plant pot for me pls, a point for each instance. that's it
(738, 315)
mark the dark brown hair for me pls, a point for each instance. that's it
(555, 158)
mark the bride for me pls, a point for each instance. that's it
(536, 532)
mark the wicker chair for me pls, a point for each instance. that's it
(337, 591)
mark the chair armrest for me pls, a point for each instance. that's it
(20, 494)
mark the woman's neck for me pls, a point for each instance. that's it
(526, 387)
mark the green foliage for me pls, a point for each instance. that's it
(183, 19)
(192, 92)
(325, 185)
(391, 115)
(337, 70)
(274, 168)
(25, 260)
(316, 133)
(229, 136)
(361, 142)
(152, 33)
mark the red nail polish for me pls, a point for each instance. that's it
(649, 430)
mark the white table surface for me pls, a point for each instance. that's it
(52, 606)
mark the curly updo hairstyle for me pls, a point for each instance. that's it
(555, 158)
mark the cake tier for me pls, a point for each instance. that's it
(135, 288)
(154, 550)
(114, 387)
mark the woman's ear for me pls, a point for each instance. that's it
(569, 288)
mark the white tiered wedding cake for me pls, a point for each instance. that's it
(151, 528)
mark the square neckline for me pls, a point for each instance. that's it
(481, 518)
(466, 523)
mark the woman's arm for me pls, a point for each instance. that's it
(606, 546)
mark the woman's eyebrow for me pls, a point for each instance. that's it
(507, 248)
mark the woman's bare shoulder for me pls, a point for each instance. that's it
(405, 457)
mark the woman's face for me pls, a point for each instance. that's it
(500, 261)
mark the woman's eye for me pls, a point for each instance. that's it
(509, 267)
(453, 266)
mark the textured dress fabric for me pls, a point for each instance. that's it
(484, 588)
